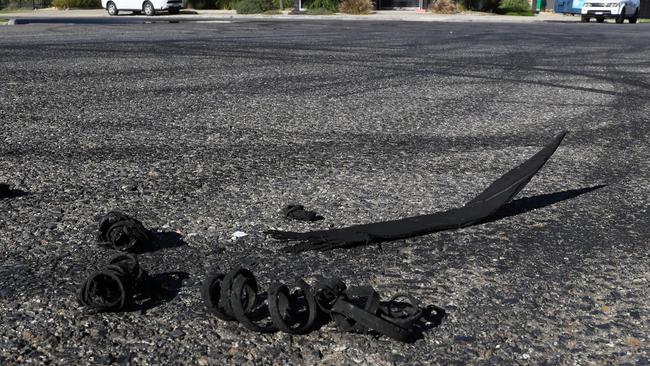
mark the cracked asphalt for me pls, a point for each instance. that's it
(201, 130)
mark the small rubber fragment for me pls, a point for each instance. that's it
(298, 212)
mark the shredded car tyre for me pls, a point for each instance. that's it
(112, 288)
(123, 232)
(235, 295)
(475, 211)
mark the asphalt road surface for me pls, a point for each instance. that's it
(204, 129)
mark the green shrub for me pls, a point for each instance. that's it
(515, 7)
(285, 4)
(225, 4)
(253, 6)
(330, 5)
(15, 5)
(443, 7)
(356, 6)
(84, 4)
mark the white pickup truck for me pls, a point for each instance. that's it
(617, 9)
(148, 7)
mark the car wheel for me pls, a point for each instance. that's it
(584, 19)
(111, 8)
(600, 20)
(148, 9)
(634, 17)
(621, 17)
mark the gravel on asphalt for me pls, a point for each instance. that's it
(204, 130)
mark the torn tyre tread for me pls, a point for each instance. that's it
(495, 196)
(113, 287)
(123, 232)
(235, 296)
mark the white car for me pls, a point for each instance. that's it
(149, 7)
(617, 9)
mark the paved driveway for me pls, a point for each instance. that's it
(206, 129)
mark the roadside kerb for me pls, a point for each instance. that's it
(382, 15)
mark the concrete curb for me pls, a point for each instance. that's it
(59, 16)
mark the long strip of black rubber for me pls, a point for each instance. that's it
(372, 321)
(475, 211)
(365, 295)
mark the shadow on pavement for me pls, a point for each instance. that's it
(165, 240)
(12, 193)
(163, 288)
(526, 204)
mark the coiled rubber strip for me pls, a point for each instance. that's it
(285, 312)
(236, 296)
(123, 232)
(112, 288)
